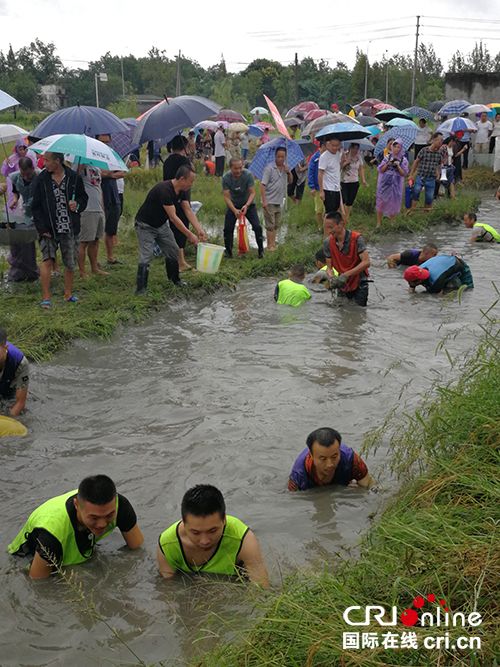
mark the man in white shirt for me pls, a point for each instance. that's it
(423, 137)
(329, 176)
(484, 129)
(219, 151)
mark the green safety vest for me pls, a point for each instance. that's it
(334, 270)
(292, 293)
(223, 560)
(53, 517)
(490, 229)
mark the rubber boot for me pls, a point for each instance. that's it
(172, 268)
(142, 279)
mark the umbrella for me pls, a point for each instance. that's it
(374, 129)
(436, 105)
(399, 122)
(454, 125)
(453, 107)
(364, 144)
(318, 124)
(367, 106)
(302, 108)
(230, 116)
(260, 110)
(264, 126)
(388, 114)
(255, 131)
(169, 117)
(265, 155)
(367, 120)
(406, 133)
(308, 148)
(121, 142)
(79, 120)
(419, 112)
(82, 149)
(11, 133)
(343, 131)
(208, 125)
(477, 108)
(383, 106)
(238, 127)
(290, 122)
(7, 101)
(315, 113)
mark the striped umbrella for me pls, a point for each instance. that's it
(265, 155)
(419, 112)
(406, 133)
(319, 123)
(453, 107)
(82, 149)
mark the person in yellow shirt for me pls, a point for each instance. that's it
(292, 292)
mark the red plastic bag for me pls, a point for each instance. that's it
(242, 231)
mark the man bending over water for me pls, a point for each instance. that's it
(325, 461)
(209, 540)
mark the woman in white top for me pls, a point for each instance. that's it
(352, 170)
(495, 133)
(423, 137)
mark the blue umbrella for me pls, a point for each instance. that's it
(399, 122)
(265, 155)
(374, 129)
(406, 133)
(7, 100)
(79, 120)
(453, 125)
(419, 112)
(455, 106)
(343, 131)
(122, 142)
(255, 131)
(169, 117)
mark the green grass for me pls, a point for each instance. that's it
(107, 302)
(440, 535)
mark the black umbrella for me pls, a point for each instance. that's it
(389, 114)
(367, 120)
(79, 120)
(435, 106)
(169, 117)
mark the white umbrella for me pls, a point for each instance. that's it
(7, 101)
(10, 133)
(82, 149)
(477, 108)
(261, 110)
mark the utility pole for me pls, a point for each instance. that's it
(296, 69)
(366, 69)
(415, 57)
(178, 79)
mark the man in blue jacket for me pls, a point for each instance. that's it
(440, 273)
(58, 199)
(313, 183)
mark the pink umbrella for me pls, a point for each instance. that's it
(230, 116)
(303, 108)
(382, 105)
(315, 113)
(265, 126)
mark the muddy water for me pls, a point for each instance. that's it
(222, 390)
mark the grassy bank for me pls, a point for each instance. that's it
(440, 536)
(107, 302)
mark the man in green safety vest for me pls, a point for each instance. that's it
(63, 530)
(210, 541)
(480, 230)
(291, 291)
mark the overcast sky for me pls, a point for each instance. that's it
(243, 31)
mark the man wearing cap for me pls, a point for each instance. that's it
(219, 150)
(440, 273)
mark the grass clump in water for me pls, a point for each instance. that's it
(440, 536)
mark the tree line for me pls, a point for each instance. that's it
(23, 71)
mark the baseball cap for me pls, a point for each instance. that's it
(414, 273)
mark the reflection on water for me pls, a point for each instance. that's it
(223, 390)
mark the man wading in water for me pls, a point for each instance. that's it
(209, 540)
(63, 530)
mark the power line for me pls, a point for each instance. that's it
(458, 18)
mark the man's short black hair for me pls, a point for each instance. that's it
(184, 171)
(335, 216)
(472, 216)
(324, 436)
(436, 135)
(320, 256)
(57, 156)
(25, 163)
(98, 489)
(430, 246)
(3, 336)
(178, 143)
(203, 500)
(281, 148)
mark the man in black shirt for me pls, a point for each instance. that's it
(63, 530)
(152, 224)
(413, 256)
(112, 204)
(176, 159)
